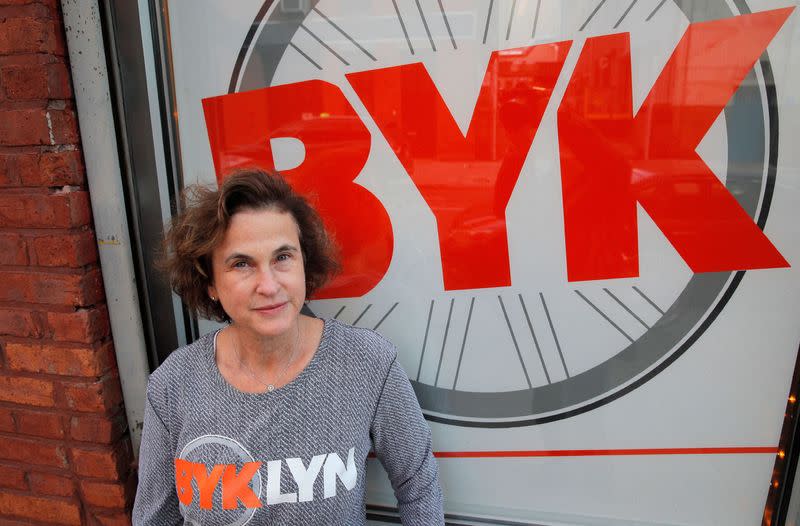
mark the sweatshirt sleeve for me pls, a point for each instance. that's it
(402, 441)
(156, 500)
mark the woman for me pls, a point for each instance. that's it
(270, 419)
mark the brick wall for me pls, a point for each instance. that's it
(65, 454)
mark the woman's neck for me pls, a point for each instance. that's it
(267, 353)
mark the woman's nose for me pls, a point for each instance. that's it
(267, 284)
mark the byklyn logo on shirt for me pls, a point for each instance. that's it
(241, 484)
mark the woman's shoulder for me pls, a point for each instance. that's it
(358, 343)
(182, 363)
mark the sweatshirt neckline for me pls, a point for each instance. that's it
(278, 393)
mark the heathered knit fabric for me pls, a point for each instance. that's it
(202, 438)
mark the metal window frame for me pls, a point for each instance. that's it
(139, 161)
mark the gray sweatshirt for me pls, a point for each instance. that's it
(211, 454)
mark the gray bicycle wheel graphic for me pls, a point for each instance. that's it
(751, 126)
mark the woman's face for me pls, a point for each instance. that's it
(258, 273)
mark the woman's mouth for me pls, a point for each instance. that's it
(269, 309)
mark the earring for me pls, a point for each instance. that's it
(213, 298)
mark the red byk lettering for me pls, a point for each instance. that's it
(235, 486)
(207, 483)
(610, 160)
(183, 481)
(434, 151)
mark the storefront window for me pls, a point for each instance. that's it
(574, 219)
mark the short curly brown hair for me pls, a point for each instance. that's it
(204, 218)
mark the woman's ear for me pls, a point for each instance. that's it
(212, 293)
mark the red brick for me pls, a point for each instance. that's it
(109, 463)
(83, 325)
(18, 322)
(29, 391)
(58, 81)
(42, 169)
(28, 35)
(56, 169)
(114, 519)
(54, 289)
(106, 494)
(45, 210)
(100, 396)
(50, 484)
(6, 421)
(39, 423)
(70, 360)
(26, 58)
(24, 127)
(24, 82)
(8, 175)
(98, 429)
(51, 4)
(44, 509)
(13, 250)
(64, 126)
(13, 165)
(38, 126)
(38, 81)
(18, 10)
(67, 250)
(32, 451)
(25, 2)
(12, 477)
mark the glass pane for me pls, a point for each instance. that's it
(548, 207)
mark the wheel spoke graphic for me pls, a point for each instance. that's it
(304, 55)
(385, 316)
(536, 17)
(535, 340)
(344, 34)
(362, 314)
(464, 341)
(619, 301)
(662, 2)
(553, 331)
(425, 23)
(596, 9)
(323, 44)
(444, 341)
(516, 345)
(403, 26)
(511, 18)
(336, 317)
(488, 17)
(447, 25)
(625, 14)
(425, 339)
(603, 314)
(648, 300)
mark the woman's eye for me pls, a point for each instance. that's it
(240, 264)
(284, 258)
